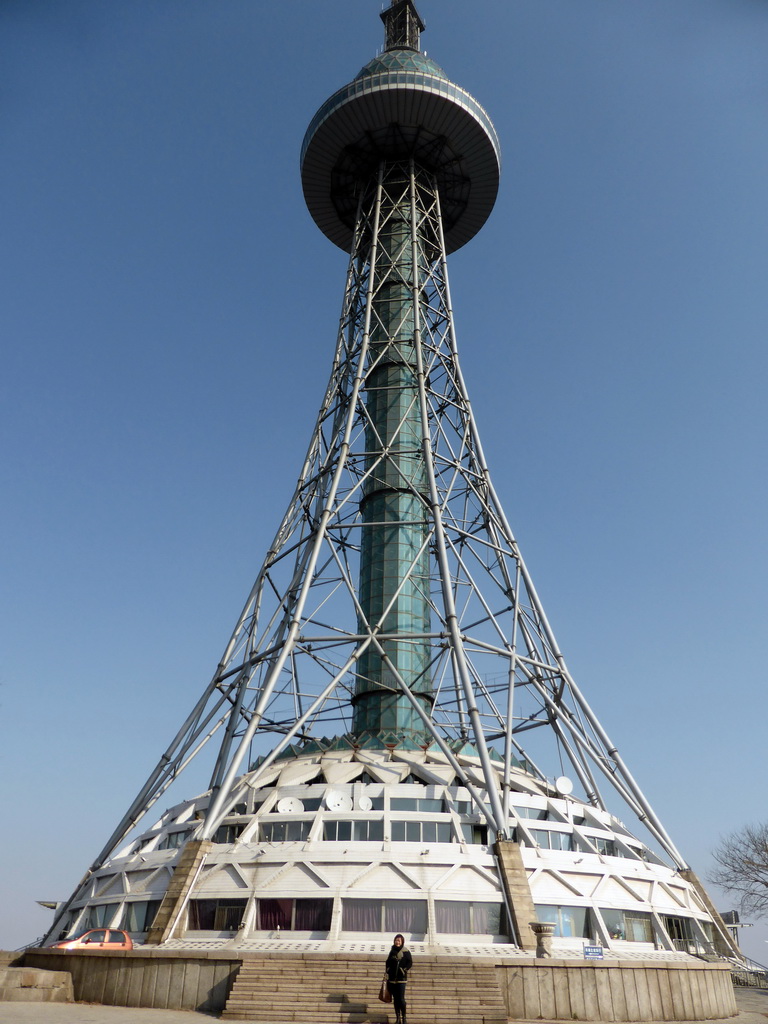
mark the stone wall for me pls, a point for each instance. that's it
(617, 991)
(31, 985)
(161, 979)
(553, 989)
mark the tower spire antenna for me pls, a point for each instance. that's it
(403, 25)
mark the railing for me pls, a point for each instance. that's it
(749, 974)
(695, 947)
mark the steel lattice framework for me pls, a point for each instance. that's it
(291, 668)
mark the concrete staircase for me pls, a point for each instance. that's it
(344, 990)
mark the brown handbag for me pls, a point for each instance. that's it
(384, 994)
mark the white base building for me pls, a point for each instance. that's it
(342, 846)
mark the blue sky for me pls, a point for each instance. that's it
(168, 315)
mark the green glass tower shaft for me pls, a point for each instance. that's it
(394, 559)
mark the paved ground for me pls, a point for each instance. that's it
(752, 1003)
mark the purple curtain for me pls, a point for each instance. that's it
(275, 914)
(313, 915)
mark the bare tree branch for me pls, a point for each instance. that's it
(742, 868)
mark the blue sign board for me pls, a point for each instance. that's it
(593, 952)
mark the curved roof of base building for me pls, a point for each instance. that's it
(312, 842)
(401, 104)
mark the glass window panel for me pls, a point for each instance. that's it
(344, 831)
(100, 916)
(605, 846)
(273, 914)
(215, 915)
(405, 916)
(229, 914)
(536, 813)
(361, 915)
(486, 918)
(494, 917)
(548, 914)
(614, 922)
(152, 908)
(561, 840)
(227, 833)
(313, 915)
(709, 929)
(132, 919)
(138, 917)
(678, 928)
(398, 831)
(376, 831)
(639, 928)
(296, 830)
(574, 922)
(444, 832)
(550, 840)
(273, 831)
(173, 840)
(633, 926)
(413, 831)
(429, 831)
(570, 922)
(401, 804)
(452, 917)
(202, 915)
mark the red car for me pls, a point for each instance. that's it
(97, 938)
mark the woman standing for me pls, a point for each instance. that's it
(399, 962)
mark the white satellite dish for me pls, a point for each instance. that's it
(563, 785)
(289, 805)
(336, 801)
(365, 803)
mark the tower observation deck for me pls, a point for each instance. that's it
(401, 106)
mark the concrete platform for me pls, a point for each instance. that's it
(28, 984)
(752, 1003)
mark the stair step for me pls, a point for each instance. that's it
(344, 991)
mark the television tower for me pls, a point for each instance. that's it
(393, 616)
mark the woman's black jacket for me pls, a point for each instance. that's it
(398, 965)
